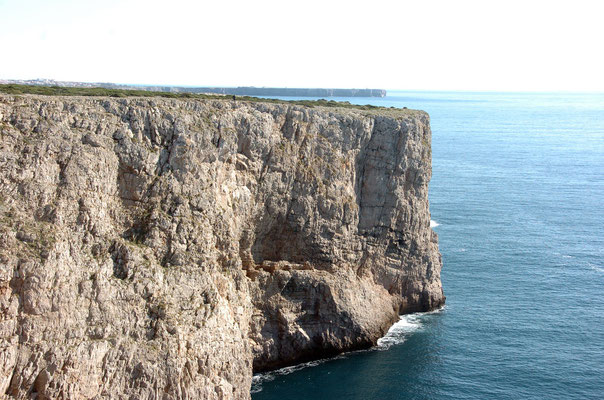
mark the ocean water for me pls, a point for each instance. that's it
(517, 198)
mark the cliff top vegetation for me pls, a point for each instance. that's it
(16, 89)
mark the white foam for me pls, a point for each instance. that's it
(433, 224)
(259, 379)
(400, 331)
(397, 334)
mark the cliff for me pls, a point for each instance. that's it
(166, 248)
(239, 91)
(296, 92)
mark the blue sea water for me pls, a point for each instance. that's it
(518, 193)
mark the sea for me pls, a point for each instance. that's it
(517, 199)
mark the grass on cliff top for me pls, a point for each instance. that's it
(82, 91)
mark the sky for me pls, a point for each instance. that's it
(528, 45)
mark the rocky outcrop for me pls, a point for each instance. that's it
(161, 248)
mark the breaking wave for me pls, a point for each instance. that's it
(397, 334)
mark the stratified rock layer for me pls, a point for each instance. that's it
(162, 249)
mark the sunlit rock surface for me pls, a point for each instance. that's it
(164, 248)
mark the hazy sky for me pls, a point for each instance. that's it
(441, 45)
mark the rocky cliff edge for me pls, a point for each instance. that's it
(165, 248)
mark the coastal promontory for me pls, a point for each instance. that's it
(167, 248)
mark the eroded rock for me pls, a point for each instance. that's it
(161, 248)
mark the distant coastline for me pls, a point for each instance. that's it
(238, 91)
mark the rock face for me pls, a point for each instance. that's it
(163, 249)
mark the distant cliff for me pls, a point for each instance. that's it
(294, 92)
(239, 91)
(166, 248)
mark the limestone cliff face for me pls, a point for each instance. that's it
(159, 249)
